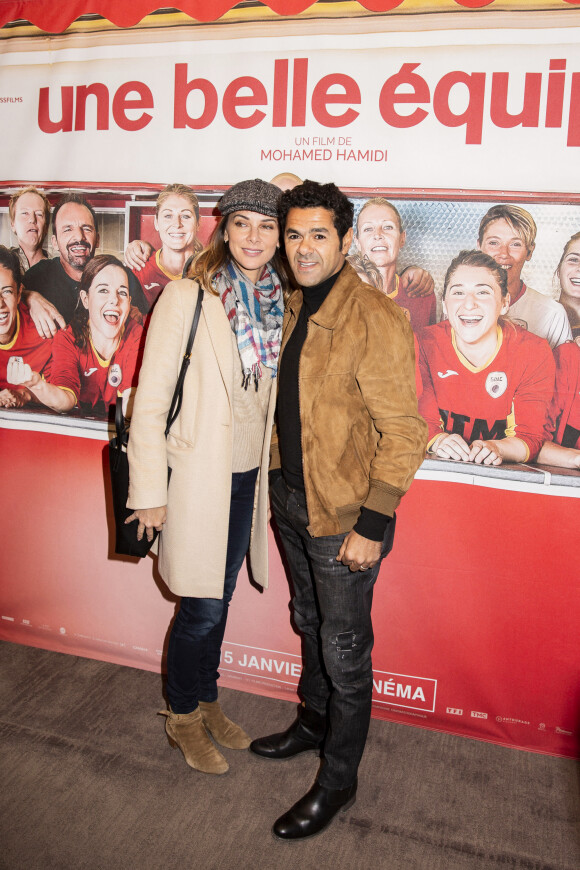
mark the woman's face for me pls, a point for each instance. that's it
(9, 299)
(502, 242)
(176, 223)
(569, 271)
(378, 234)
(473, 303)
(108, 302)
(29, 222)
(252, 239)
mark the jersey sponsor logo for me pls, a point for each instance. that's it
(448, 373)
(90, 372)
(457, 424)
(115, 375)
(496, 384)
(454, 711)
(151, 286)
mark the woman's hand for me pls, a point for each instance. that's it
(485, 453)
(150, 520)
(13, 398)
(19, 372)
(451, 446)
(137, 253)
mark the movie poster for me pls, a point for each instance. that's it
(447, 136)
(384, 115)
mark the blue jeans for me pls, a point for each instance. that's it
(332, 610)
(195, 641)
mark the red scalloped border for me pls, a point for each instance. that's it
(54, 17)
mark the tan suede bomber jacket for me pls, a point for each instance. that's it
(362, 436)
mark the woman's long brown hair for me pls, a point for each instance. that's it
(216, 255)
(80, 319)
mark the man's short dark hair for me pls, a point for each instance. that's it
(311, 194)
(76, 198)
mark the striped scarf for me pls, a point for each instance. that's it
(255, 314)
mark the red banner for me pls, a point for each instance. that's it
(476, 612)
(56, 17)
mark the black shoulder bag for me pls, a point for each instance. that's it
(126, 543)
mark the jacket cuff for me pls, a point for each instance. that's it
(371, 524)
(383, 497)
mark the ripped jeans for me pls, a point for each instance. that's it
(332, 610)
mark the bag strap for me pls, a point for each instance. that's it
(119, 421)
(121, 440)
(177, 397)
(175, 406)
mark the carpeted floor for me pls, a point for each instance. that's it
(88, 782)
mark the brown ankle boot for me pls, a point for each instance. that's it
(187, 731)
(223, 730)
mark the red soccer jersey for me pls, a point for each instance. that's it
(27, 343)
(421, 310)
(89, 377)
(507, 397)
(564, 413)
(153, 278)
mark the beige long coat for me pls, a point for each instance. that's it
(192, 546)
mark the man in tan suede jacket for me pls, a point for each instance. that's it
(349, 440)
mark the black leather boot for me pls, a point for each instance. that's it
(314, 812)
(306, 733)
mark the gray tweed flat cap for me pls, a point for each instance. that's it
(255, 195)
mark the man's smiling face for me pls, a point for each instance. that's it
(313, 247)
(75, 235)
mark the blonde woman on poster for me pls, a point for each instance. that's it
(96, 357)
(177, 222)
(214, 508)
(487, 383)
(379, 236)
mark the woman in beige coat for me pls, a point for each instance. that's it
(215, 505)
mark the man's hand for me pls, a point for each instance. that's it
(137, 253)
(416, 281)
(149, 519)
(46, 317)
(359, 553)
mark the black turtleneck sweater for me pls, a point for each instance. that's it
(370, 524)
